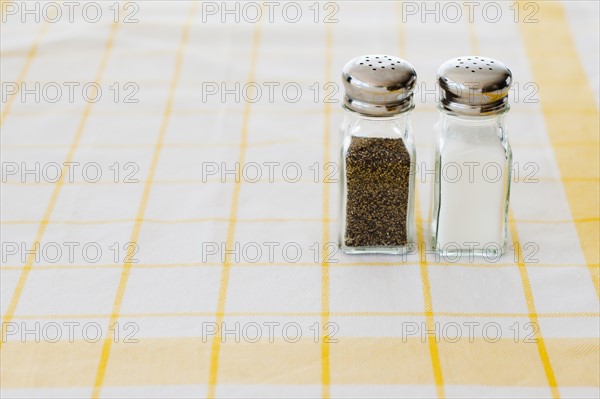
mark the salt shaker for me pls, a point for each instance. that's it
(473, 158)
(377, 156)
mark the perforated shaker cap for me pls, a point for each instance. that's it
(474, 85)
(379, 85)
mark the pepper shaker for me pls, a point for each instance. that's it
(473, 158)
(377, 156)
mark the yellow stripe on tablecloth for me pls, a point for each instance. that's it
(107, 344)
(557, 70)
(277, 362)
(434, 353)
(541, 346)
(73, 316)
(325, 350)
(58, 186)
(381, 360)
(355, 360)
(176, 221)
(48, 267)
(543, 353)
(508, 363)
(260, 181)
(297, 111)
(577, 361)
(257, 220)
(216, 343)
(428, 304)
(30, 56)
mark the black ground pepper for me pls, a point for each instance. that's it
(377, 182)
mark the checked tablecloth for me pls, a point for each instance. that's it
(135, 263)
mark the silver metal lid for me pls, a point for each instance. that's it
(474, 85)
(379, 85)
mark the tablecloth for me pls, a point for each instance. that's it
(169, 205)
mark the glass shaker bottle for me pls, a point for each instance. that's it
(473, 158)
(377, 156)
